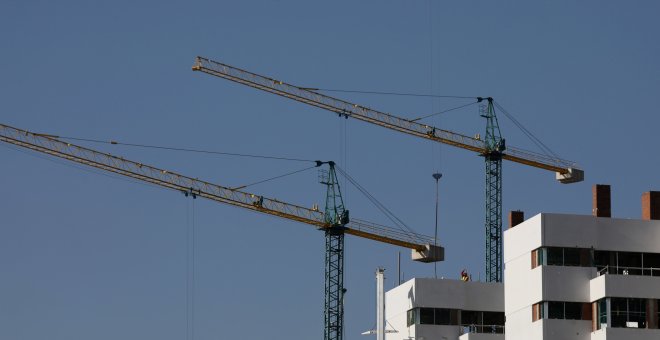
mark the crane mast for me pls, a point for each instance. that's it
(493, 226)
(334, 221)
(337, 217)
(492, 148)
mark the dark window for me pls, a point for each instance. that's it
(571, 256)
(469, 317)
(494, 318)
(619, 307)
(442, 316)
(563, 310)
(482, 322)
(604, 260)
(652, 264)
(629, 263)
(555, 256)
(555, 310)
(426, 316)
(637, 312)
(432, 316)
(628, 313)
(573, 311)
(586, 258)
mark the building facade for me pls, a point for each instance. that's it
(584, 277)
(566, 277)
(430, 309)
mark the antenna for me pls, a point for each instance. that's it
(437, 177)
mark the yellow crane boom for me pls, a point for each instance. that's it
(424, 248)
(567, 171)
(51, 145)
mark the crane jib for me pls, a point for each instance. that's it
(347, 109)
(50, 145)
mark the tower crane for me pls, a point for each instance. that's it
(334, 221)
(493, 148)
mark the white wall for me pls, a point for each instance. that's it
(566, 329)
(522, 239)
(523, 285)
(439, 293)
(601, 233)
(626, 334)
(567, 283)
(443, 293)
(627, 286)
(397, 302)
(519, 326)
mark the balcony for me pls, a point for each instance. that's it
(621, 285)
(481, 332)
(626, 333)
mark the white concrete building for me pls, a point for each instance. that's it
(430, 309)
(566, 277)
(584, 277)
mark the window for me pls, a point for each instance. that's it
(426, 316)
(606, 262)
(561, 310)
(572, 257)
(628, 313)
(555, 256)
(558, 256)
(471, 317)
(494, 318)
(652, 264)
(601, 310)
(432, 316)
(555, 310)
(411, 317)
(629, 263)
(443, 316)
(482, 322)
(573, 311)
(479, 322)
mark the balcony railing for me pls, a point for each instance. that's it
(619, 270)
(490, 329)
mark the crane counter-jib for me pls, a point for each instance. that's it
(51, 145)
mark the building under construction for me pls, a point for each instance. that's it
(566, 277)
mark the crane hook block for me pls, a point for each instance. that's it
(431, 253)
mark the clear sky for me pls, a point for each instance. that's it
(88, 256)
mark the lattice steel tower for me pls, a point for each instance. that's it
(337, 217)
(495, 145)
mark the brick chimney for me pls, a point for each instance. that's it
(515, 218)
(602, 206)
(651, 205)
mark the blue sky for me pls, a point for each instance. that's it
(83, 255)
